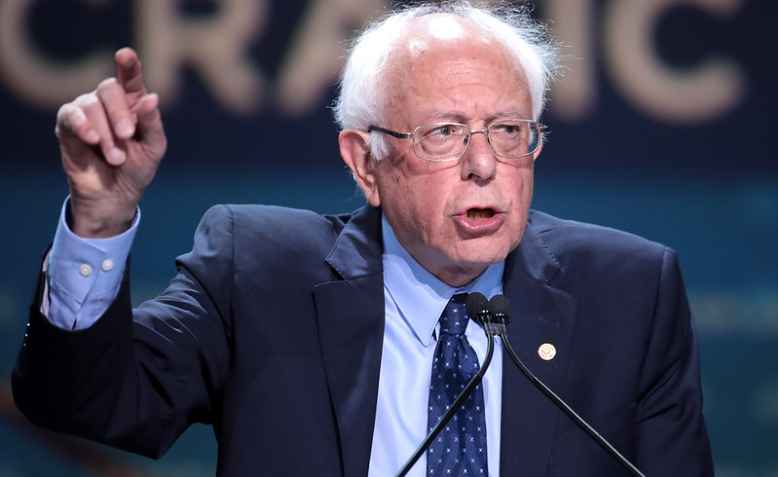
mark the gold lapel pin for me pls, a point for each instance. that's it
(547, 351)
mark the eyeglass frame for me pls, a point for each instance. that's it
(485, 131)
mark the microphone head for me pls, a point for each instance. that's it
(499, 306)
(477, 305)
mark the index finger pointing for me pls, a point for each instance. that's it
(129, 71)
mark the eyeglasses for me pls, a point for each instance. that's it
(510, 139)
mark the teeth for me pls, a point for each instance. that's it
(480, 213)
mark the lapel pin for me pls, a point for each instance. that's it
(547, 351)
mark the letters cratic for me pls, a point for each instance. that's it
(216, 48)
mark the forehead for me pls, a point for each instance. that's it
(445, 62)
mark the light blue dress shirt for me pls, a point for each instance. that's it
(414, 301)
(84, 277)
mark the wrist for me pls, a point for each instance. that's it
(88, 223)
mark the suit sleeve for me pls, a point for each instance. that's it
(672, 438)
(137, 379)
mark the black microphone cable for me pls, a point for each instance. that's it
(477, 309)
(498, 306)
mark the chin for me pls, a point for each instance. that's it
(476, 254)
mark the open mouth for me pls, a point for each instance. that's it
(479, 221)
(477, 213)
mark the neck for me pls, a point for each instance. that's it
(456, 276)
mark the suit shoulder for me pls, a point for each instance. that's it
(277, 231)
(572, 243)
(277, 218)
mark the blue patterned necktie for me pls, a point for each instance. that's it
(460, 449)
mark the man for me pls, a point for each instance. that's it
(331, 345)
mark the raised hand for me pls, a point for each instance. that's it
(111, 141)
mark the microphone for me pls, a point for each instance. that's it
(498, 306)
(477, 309)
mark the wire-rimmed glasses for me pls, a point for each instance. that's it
(510, 138)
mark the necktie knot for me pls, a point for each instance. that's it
(454, 319)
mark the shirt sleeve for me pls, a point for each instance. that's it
(83, 275)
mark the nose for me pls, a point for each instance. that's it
(478, 160)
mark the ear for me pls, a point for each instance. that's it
(355, 152)
(536, 154)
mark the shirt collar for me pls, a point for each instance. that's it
(419, 295)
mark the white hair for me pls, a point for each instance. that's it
(361, 99)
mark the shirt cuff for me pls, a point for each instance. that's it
(84, 275)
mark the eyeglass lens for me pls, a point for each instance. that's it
(509, 139)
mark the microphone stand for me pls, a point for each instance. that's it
(466, 392)
(502, 319)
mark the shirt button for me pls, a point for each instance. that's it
(107, 265)
(85, 270)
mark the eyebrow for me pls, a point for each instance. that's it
(507, 114)
(460, 117)
(448, 116)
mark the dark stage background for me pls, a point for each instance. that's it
(660, 127)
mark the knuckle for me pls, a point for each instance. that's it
(87, 101)
(65, 117)
(106, 84)
(62, 111)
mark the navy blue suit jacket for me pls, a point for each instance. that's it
(271, 331)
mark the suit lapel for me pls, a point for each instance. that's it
(541, 313)
(350, 314)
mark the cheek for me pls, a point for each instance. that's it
(418, 195)
(433, 195)
(403, 200)
(520, 190)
